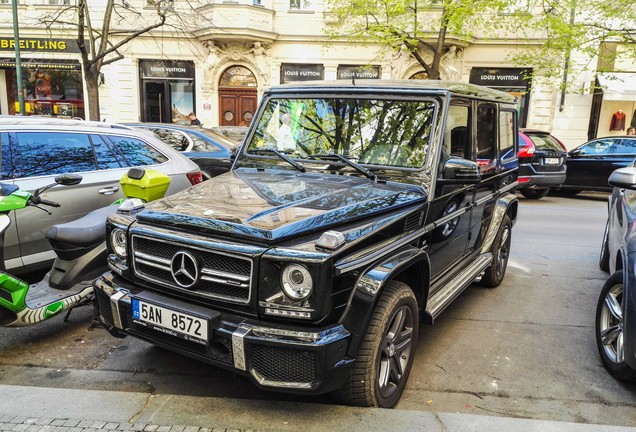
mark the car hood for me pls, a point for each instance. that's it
(275, 205)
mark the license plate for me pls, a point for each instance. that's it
(552, 161)
(175, 323)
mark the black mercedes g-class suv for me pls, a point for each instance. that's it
(352, 211)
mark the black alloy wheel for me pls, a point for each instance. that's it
(494, 274)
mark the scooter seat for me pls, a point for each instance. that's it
(83, 232)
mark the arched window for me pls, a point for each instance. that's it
(419, 76)
(237, 76)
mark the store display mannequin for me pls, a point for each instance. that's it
(618, 121)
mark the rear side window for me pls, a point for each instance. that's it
(48, 153)
(136, 152)
(544, 141)
(507, 135)
(624, 146)
(175, 139)
(105, 154)
(201, 145)
(486, 132)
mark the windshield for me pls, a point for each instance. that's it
(381, 132)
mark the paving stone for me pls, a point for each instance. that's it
(60, 429)
(151, 428)
(98, 424)
(20, 427)
(111, 426)
(138, 427)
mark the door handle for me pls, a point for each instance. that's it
(108, 190)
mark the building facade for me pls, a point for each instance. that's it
(234, 49)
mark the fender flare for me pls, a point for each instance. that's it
(506, 205)
(370, 285)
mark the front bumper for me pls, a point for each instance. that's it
(275, 357)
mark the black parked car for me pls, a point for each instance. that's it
(590, 164)
(352, 211)
(616, 309)
(541, 163)
(210, 150)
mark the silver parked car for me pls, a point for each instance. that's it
(36, 149)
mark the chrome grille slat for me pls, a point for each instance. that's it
(224, 276)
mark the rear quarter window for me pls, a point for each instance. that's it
(136, 152)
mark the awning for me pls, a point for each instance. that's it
(618, 85)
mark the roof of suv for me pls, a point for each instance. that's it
(396, 87)
(9, 120)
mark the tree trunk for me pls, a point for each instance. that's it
(92, 96)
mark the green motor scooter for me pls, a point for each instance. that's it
(79, 246)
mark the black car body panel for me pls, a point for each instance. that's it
(591, 164)
(352, 209)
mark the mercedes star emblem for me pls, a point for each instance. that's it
(185, 270)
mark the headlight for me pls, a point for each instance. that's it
(296, 281)
(118, 242)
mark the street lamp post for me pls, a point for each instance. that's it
(18, 60)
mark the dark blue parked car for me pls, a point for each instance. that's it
(208, 149)
(616, 309)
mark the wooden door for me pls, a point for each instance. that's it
(237, 106)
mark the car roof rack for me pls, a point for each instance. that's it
(56, 121)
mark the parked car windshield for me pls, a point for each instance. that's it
(544, 141)
(368, 131)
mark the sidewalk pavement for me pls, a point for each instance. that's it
(36, 409)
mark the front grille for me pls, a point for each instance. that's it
(223, 276)
(284, 364)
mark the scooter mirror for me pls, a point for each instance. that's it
(68, 179)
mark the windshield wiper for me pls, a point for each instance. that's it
(331, 156)
(284, 157)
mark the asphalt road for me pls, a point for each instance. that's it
(525, 349)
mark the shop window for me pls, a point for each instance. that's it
(39, 153)
(51, 92)
(237, 76)
(305, 5)
(136, 152)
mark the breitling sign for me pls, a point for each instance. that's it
(40, 44)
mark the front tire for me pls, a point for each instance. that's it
(384, 360)
(494, 274)
(609, 329)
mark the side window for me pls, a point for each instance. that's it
(136, 152)
(596, 147)
(624, 146)
(201, 145)
(104, 154)
(486, 133)
(175, 139)
(48, 153)
(507, 148)
(456, 141)
(6, 171)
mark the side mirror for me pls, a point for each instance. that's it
(460, 171)
(68, 179)
(623, 178)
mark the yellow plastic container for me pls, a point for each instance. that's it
(145, 183)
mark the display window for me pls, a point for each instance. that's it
(49, 89)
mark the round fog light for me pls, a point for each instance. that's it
(297, 282)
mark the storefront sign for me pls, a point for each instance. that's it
(40, 44)
(301, 72)
(158, 69)
(41, 64)
(504, 77)
(358, 72)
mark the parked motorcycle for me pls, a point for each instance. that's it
(79, 246)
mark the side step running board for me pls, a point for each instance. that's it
(444, 296)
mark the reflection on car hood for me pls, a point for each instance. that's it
(270, 206)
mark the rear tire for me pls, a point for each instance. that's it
(494, 274)
(384, 360)
(609, 329)
(534, 194)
